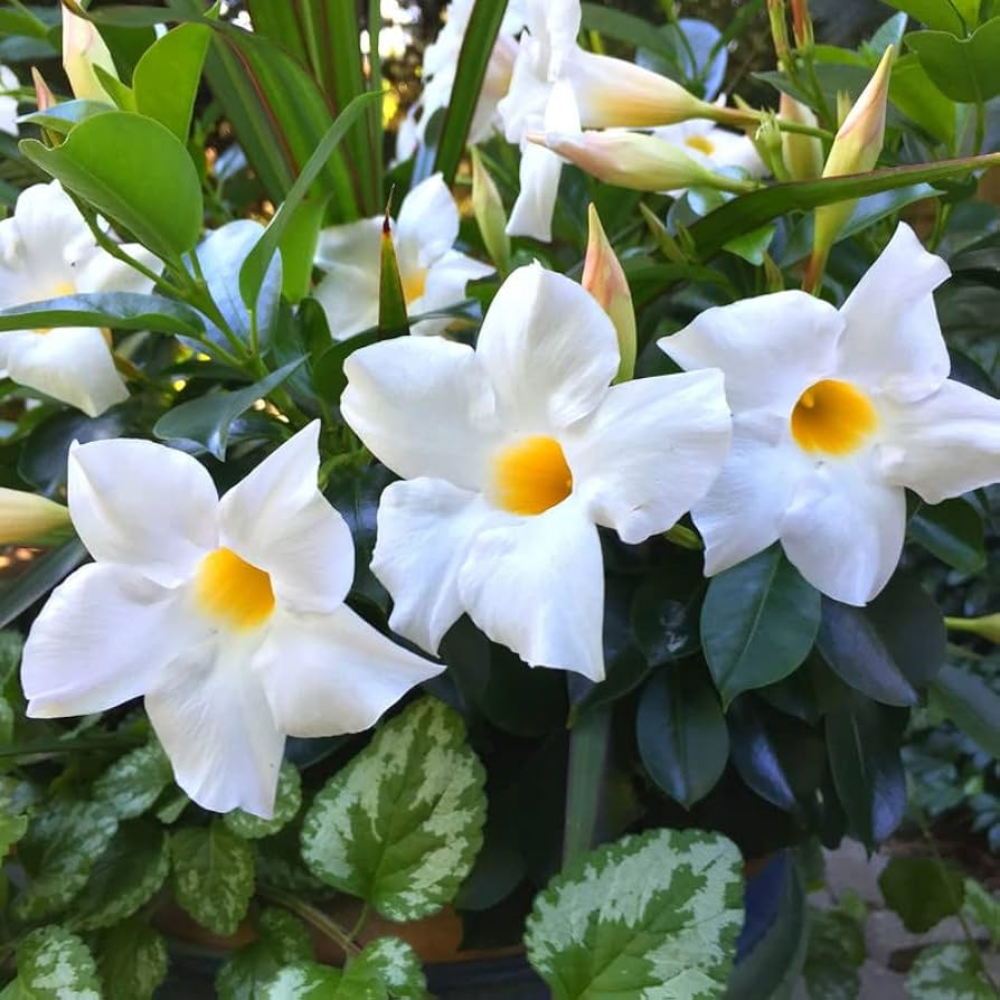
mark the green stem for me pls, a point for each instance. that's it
(359, 926)
(110, 742)
(326, 925)
(980, 127)
(588, 751)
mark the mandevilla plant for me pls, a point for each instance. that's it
(315, 446)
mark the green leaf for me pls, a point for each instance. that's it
(922, 891)
(965, 69)
(758, 623)
(206, 421)
(401, 824)
(132, 960)
(983, 907)
(286, 807)
(13, 823)
(953, 531)
(473, 60)
(41, 576)
(63, 117)
(970, 703)
(134, 171)
(948, 972)
(750, 211)
(938, 14)
(913, 92)
(62, 844)
(125, 877)
(166, 78)
(303, 981)
(392, 319)
(835, 952)
(53, 964)
(281, 940)
(651, 915)
(119, 310)
(665, 611)
(863, 746)
(298, 248)
(133, 783)
(681, 733)
(255, 266)
(395, 965)
(213, 875)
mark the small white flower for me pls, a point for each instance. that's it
(434, 275)
(834, 414)
(8, 102)
(228, 616)
(47, 251)
(513, 454)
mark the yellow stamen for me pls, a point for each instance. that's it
(531, 476)
(414, 285)
(700, 142)
(833, 417)
(229, 588)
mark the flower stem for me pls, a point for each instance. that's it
(326, 925)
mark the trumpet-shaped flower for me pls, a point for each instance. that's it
(8, 102)
(433, 274)
(835, 414)
(47, 251)
(512, 454)
(228, 616)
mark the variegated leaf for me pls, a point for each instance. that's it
(281, 940)
(213, 875)
(304, 981)
(401, 824)
(286, 806)
(132, 960)
(53, 964)
(134, 782)
(651, 917)
(948, 972)
(395, 964)
(13, 822)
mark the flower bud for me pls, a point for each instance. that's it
(26, 517)
(487, 206)
(604, 278)
(635, 160)
(802, 26)
(803, 154)
(83, 49)
(44, 98)
(986, 627)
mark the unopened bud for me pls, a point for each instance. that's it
(83, 49)
(44, 98)
(604, 278)
(986, 627)
(26, 517)
(802, 26)
(487, 206)
(803, 154)
(779, 31)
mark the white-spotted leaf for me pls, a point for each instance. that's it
(304, 981)
(651, 917)
(281, 940)
(948, 972)
(53, 964)
(132, 960)
(401, 824)
(286, 806)
(395, 964)
(134, 782)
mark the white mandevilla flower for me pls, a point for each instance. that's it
(228, 616)
(440, 63)
(47, 251)
(834, 414)
(513, 454)
(8, 102)
(558, 87)
(433, 274)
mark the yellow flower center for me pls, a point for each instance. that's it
(833, 417)
(229, 588)
(57, 291)
(414, 285)
(700, 142)
(531, 476)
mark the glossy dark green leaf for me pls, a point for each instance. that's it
(681, 733)
(134, 171)
(205, 421)
(953, 531)
(922, 891)
(167, 76)
(756, 757)
(117, 310)
(42, 575)
(974, 707)
(758, 623)
(965, 69)
(863, 744)
(665, 611)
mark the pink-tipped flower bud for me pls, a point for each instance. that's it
(803, 154)
(83, 49)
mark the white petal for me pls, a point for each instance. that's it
(98, 271)
(844, 529)
(424, 407)
(51, 235)
(650, 451)
(348, 292)
(770, 348)
(944, 445)
(537, 587)
(277, 519)
(425, 530)
(446, 281)
(536, 200)
(555, 24)
(215, 723)
(71, 364)
(144, 506)
(742, 512)
(331, 674)
(104, 637)
(549, 349)
(893, 339)
(523, 107)
(428, 221)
